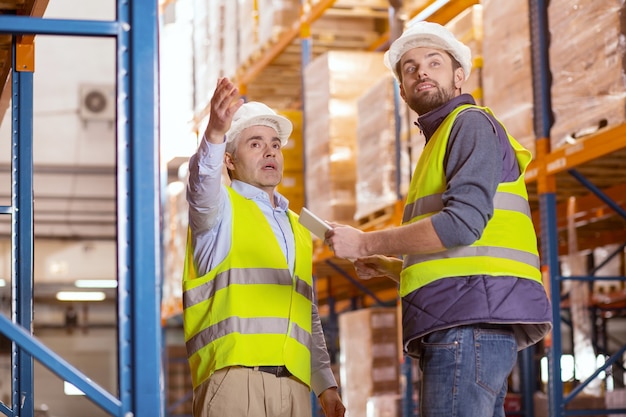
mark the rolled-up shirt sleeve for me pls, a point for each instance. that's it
(322, 376)
(473, 169)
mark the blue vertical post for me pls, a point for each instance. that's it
(528, 380)
(22, 232)
(138, 210)
(139, 251)
(542, 121)
(550, 256)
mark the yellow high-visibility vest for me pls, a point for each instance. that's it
(508, 245)
(249, 310)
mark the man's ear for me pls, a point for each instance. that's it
(229, 161)
(459, 77)
(402, 94)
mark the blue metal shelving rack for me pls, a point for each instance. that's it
(557, 401)
(138, 206)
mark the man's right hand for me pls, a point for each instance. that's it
(224, 103)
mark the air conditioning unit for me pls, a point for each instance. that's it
(97, 102)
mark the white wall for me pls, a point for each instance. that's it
(94, 354)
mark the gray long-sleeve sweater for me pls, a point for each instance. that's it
(478, 158)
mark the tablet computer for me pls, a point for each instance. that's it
(316, 225)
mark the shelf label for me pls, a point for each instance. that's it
(556, 164)
(578, 147)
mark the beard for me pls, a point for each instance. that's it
(422, 103)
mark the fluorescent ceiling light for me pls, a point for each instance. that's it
(96, 283)
(80, 296)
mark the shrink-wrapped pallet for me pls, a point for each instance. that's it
(609, 262)
(507, 67)
(369, 341)
(175, 222)
(333, 83)
(178, 380)
(382, 148)
(247, 31)
(286, 15)
(384, 405)
(467, 27)
(260, 23)
(292, 185)
(417, 141)
(587, 65)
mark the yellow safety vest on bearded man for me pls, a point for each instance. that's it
(249, 310)
(508, 245)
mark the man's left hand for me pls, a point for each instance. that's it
(331, 403)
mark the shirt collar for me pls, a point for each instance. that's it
(253, 193)
(429, 122)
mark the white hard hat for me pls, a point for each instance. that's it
(254, 113)
(428, 35)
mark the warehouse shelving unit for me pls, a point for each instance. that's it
(549, 183)
(138, 229)
(548, 171)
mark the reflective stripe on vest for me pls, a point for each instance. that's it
(508, 244)
(255, 325)
(249, 310)
(434, 203)
(207, 290)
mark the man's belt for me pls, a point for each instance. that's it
(278, 371)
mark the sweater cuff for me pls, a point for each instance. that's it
(321, 380)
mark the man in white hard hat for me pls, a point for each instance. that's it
(253, 334)
(471, 287)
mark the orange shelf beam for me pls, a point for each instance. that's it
(584, 150)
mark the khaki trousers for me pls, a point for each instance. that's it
(244, 392)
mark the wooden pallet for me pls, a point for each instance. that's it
(376, 219)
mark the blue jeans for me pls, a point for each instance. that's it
(465, 371)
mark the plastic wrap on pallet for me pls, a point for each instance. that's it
(507, 67)
(292, 185)
(384, 405)
(467, 26)
(378, 167)
(265, 16)
(175, 221)
(576, 264)
(613, 267)
(247, 30)
(333, 82)
(588, 80)
(417, 141)
(286, 15)
(370, 355)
